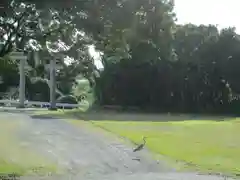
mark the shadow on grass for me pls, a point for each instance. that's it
(44, 117)
(12, 110)
(153, 117)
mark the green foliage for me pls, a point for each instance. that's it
(149, 61)
(201, 78)
(8, 73)
(82, 89)
(38, 90)
(67, 99)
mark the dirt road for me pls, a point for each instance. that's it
(88, 155)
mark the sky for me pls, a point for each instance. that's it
(218, 12)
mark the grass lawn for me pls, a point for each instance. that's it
(17, 158)
(58, 113)
(204, 145)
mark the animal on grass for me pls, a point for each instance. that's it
(140, 146)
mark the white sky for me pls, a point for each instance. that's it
(219, 12)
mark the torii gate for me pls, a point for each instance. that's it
(16, 55)
(22, 58)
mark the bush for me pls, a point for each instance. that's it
(8, 73)
(38, 90)
(67, 99)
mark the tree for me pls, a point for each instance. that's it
(149, 61)
(8, 73)
(33, 28)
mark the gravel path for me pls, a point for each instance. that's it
(89, 155)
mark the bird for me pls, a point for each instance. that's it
(141, 146)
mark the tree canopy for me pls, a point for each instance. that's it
(149, 60)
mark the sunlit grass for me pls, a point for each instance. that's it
(203, 145)
(17, 158)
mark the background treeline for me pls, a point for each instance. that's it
(149, 61)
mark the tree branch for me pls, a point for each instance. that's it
(8, 44)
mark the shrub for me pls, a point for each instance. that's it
(70, 99)
(38, 90)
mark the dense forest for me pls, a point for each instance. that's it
(149, 60)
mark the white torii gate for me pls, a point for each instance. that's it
(20, 56)
(53, 84)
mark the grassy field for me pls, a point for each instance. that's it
(203, 145)
(17, 158)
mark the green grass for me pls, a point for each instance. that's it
(17, 158)
(59, 113)
(203, 144)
